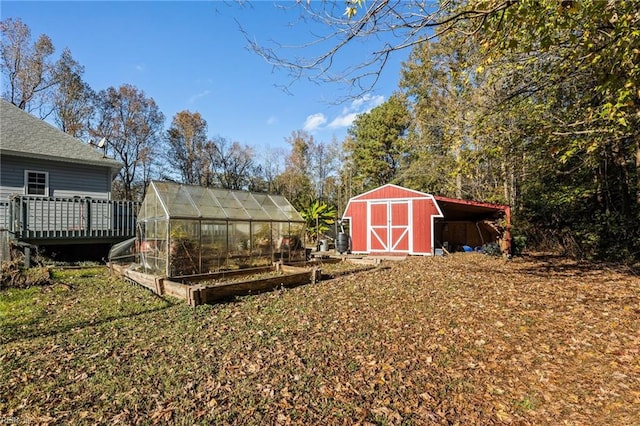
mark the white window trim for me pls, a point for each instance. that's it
(46, 181)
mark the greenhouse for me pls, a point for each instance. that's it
(185, 230)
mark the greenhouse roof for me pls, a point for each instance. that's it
(173, 200)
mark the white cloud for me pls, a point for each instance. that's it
(366, 103)
(344, 120)
(358, 106)
(139, 67)
(272, 120)
(198, 96)
(349, 113)
(314, 122)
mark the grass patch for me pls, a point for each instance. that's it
(440, 340)
(78, 298)
(18, 310)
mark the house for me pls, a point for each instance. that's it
(54, 189)
(396, 220)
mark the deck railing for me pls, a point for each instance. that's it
(4, 215)
(33, 217)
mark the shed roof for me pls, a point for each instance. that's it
(389, 191)
(174, 200)
(457, 209)
(23, 135)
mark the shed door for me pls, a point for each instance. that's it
(389, 226)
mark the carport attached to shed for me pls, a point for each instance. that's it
(473, 224)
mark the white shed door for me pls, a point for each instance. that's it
(389, 226)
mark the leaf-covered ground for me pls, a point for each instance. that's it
(464, 339)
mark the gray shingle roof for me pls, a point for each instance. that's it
(24, 135)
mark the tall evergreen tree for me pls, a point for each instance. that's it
(376, 146)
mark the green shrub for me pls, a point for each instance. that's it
(518, 244)
(492, 249)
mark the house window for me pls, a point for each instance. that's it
(36, 183)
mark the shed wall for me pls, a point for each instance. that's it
(423, 212)
(358, 228)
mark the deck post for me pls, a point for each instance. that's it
(27, 256)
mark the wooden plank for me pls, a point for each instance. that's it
(179, 290)
(288, 269)
(193, 296)
(208, 294)
(145, 280)
(222, 274)
(364, 261)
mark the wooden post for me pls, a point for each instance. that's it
(27, 256)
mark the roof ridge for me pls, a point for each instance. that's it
(25, 135)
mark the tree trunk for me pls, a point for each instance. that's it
(458, 155)
(505, 181)
(638, 169)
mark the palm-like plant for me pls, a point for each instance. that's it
(318, 216)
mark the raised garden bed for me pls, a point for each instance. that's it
(208, 288)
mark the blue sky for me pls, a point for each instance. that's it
(193, 56)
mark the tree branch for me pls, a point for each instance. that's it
(397, 24)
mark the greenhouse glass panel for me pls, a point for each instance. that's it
(289, 243)
(177, 201)
(239, 239)
(274, 211)
(232, 207)
(251, 206)
(153, 246)
(261, 240)
(184, 248)
(214, 245)
(286, 208)
(151, 206)
(296, 234)
(206, 202)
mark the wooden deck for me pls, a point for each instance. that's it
(66, 220)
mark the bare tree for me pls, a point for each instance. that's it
(270, 167)
(232, 164)
(391, 25)
(28, 67)
(187, 141)
(132, 125)
(324, 159)
(73, 100)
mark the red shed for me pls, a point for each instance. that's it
(393, 220)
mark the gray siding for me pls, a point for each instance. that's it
(65, 179)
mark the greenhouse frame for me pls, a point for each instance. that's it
(188, 230)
